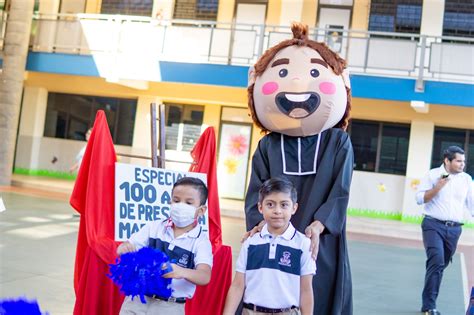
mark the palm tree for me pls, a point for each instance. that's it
(15, 52)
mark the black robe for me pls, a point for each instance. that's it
(323, 193)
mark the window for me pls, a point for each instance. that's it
(458, 18)
(196, 9)
(380, 147)
(399, 16)
(394, 148)
(364, 137)
(445, 137)
(127, 7)
(183, 126)
(68, 116)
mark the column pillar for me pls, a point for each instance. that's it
(432, 18)
(33, 116)
(418, 165)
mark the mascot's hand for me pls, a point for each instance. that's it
(250, 233)
(313, 231)
(125, 247)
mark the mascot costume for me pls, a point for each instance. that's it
(299, 95)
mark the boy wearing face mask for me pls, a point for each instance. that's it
(182, 239)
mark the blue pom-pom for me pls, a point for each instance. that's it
(19, 306)
(140, 273)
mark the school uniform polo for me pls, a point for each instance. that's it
(273, 267)
(188, 250)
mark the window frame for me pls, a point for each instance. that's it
(454, 8)
(468, 134)
(197, 15)
(380, 126)
(179, 143)
(393, 13)
(94, 106)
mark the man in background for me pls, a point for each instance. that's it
(445, 191)
(80, 155)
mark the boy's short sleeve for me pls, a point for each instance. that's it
(203, 254)
(241, 265)
(308, 265)
(140, 238)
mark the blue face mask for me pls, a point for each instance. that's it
(182, 214)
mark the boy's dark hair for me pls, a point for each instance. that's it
(450, 152)
(196, 183)
(276, 185)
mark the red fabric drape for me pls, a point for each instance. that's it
(210, 299)
(93, 197)
(204, 157)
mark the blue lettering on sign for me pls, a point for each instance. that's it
(166, 198)
(165, 211)
(126, 211)
(127, 229)
(123, 210)
(156, 176)
(152, 212)
(137, 192)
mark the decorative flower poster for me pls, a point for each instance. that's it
(234, 149)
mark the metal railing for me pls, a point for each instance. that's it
(374, 53)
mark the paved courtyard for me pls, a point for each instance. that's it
(38, 239)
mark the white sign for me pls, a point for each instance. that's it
(143, 194)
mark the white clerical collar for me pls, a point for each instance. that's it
(300, 171)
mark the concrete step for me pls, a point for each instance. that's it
(43, 183)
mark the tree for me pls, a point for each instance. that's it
(15, 52)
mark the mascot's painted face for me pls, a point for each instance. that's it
(298, 94)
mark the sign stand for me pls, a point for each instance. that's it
(157, 143)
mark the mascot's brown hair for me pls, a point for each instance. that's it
(300, 39)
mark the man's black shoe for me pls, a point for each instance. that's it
(431, 312)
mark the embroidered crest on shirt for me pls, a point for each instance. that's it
(285, 260)
(184, 259)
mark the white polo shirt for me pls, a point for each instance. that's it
(189, 250)
(450, 201)
(273, 267)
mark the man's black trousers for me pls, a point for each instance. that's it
(440, 242)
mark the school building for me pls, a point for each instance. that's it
(411, 64)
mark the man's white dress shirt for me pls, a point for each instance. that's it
(449, 203)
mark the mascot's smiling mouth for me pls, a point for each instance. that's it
(297, 105)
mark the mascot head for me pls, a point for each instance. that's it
(299, 87)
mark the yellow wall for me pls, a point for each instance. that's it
(308, 15)
(360, 15)
(168, 92)
(93, 6)
(212, 116)
(441, 115)
(290, 12)
(226, 11)
(273, 12)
